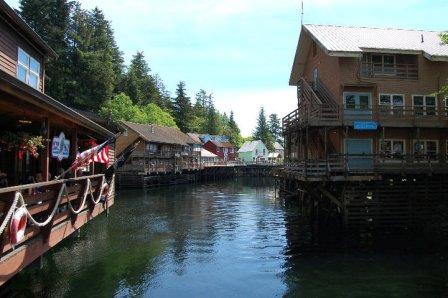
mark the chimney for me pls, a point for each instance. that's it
(423, 40)
(152, 129)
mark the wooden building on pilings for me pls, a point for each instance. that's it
(161, 150)
(39, 138)
(369, 137)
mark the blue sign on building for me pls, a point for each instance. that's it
(365, 125)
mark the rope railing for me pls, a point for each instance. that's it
(19, 200)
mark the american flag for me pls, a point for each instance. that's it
(98, 153)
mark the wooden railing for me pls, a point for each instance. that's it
(380, 70)
(54, 210)
(404, 115)
(312, 108)
(368, 164)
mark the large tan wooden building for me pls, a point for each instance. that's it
(368, 91)
(368, 140)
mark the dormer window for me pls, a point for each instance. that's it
(28, 69)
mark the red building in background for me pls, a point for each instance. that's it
(224, 150)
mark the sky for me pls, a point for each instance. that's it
(242, 50)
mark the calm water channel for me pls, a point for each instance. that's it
(225, 239)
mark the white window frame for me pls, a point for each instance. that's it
(391, 103)
(424, 104)
(28, 68)
(425, 148)
(391, 155)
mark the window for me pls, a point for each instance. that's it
(28, 69)
(424, 105)
(357, 103)
(392, 104)
(392, 148)
(446, 106)
(426, 147)
(383, 64)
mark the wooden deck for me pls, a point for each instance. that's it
(53, 215)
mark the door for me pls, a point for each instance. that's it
(359, 148)
(358, 106)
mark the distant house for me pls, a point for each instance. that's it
(224, 150)
(253, 151)
(161, 149)
(208, 158)
(278, 148)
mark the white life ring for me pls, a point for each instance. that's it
(17, 226)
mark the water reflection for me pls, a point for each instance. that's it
(230, 238)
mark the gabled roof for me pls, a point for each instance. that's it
(206, 153)
(195, 138)
(342, 41)
(221, 144)
(250, 146)
(10, 16)
(277, 146)
(159, 134)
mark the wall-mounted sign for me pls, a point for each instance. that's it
(365, 125)
(60, 147)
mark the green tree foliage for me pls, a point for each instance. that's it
(262, 131)
(90, 73)
(156, 115)
(182, 108)
(121, 108)
(139, 84)
(94, 56)
(234, 132)
(275, 128)
(90, 63)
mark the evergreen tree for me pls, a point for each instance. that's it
(275, 128)
(234, 132)
(262, 131)
(51, 20)
(213, 121)
(182, 108)
(94, 61)
(139, 84)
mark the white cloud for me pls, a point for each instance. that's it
(246, 104)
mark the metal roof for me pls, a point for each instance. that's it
(342, 41)
(278, 146)
(250, 146)
(347, 41)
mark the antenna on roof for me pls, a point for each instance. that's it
(301, 19)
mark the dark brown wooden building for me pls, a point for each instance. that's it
(161, 150)
(40, 138)
(369, 109)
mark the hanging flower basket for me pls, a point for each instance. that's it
(22, 143)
